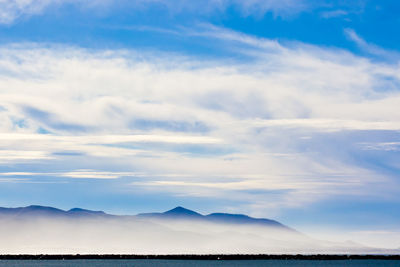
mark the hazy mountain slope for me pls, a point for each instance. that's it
(183, 213)
(46, 230)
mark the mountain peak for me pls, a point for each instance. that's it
(181, 211)
(38, 207)
(41, 208)
(79, 210)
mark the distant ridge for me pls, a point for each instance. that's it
(37, 211)
(183, 213)
(178, 213)
(31, 210)
(84, 211)
(240, 218)
(175, 213)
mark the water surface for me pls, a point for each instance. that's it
(198, 263)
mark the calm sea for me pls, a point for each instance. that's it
(195, 263)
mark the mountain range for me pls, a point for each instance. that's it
(35, 210)
(47, 230)
(178, 213)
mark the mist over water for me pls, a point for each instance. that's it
(133, 235)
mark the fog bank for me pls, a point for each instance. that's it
(132, 235)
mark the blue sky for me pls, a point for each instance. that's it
(279, 109)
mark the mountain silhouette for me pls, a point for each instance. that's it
(33, 210)
(178, 213)
(85, 212)
(43, 211)
(175, 213)
(183, 213)
(47, 230)
(241, 219)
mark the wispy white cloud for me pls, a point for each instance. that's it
(17, 173)
(76, 174)
(323, 124)
(92, 174)
(22, 155)
(369, 47)
(112, 139)
(11, 10)
(385, 146)
(12, 180)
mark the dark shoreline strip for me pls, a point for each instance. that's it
(199, 257)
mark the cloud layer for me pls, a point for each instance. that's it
(286, 122)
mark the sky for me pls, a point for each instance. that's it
(282, 109)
